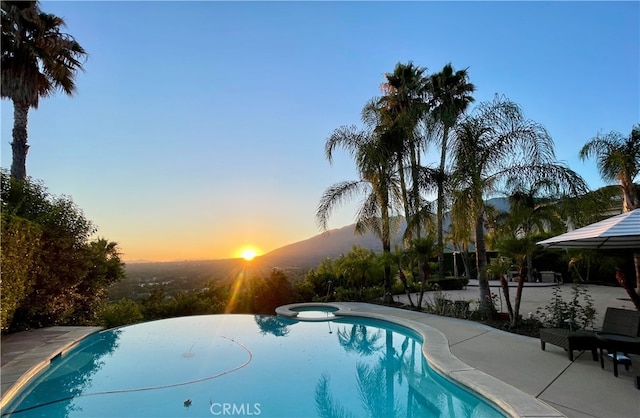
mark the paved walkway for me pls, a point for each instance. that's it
(536, 295)
(575, 389)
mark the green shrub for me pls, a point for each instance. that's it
(373, 292)
(398, 288)
(440, 305)
(52, 274)
(123, 312)
(343, 295)
(578, 312)
(20, 245)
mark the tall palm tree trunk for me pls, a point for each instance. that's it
(516, 310)
(629, 196)
(481, 262)
(440, 209)
(403, 279)
(415, 191)
(505, 290)
(403, 189)
(530, 277)
(386, 247)
(424, 273)
(19, 145)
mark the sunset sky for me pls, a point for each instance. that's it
(198, 128)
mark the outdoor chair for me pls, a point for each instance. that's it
(635, 369)
(620, 336)
(570, 340)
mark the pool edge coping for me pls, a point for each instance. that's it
(435, 348)
(25, 378)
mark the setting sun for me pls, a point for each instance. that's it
(248, 254)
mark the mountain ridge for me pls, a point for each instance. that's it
(309, 252)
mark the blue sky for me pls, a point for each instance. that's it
(198, 128)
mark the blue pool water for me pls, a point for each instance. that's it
(243, 365)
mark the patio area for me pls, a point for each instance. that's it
(575, 389)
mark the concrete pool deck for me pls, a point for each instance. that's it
(24, 354)
(575, 389)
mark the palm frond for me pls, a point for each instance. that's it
(334, 196)
(349, 138)
(37, 58)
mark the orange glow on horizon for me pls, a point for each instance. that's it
(189, 253)
(248, 253)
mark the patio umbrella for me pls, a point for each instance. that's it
(618, 232)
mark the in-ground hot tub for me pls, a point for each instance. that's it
(309, 311)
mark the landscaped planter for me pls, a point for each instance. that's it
(504, 316)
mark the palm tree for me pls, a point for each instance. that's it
(356, 266)
(451, 95)
(618, 158)
(494, 147)
(461, 231)
(532, 213)
(37, 60)
(378, 183)
(423, 248)
(400, 111)
(533, 210)
(103, 268)
(397, 258)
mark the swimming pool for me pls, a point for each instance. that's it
(243, 365)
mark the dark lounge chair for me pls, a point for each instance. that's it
(620, 335)
(570, 340)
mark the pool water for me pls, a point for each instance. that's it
(244, 365)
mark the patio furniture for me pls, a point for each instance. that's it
(550, 277)
(570, 340)
(620, 334)
(635, 369)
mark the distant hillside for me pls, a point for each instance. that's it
(295, 259)
(308, 253)
(333, 243)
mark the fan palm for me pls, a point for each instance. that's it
(493, 147)
(450, 97)
(618, 159)
(398, 113)
(37, 60)
(378, 183)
